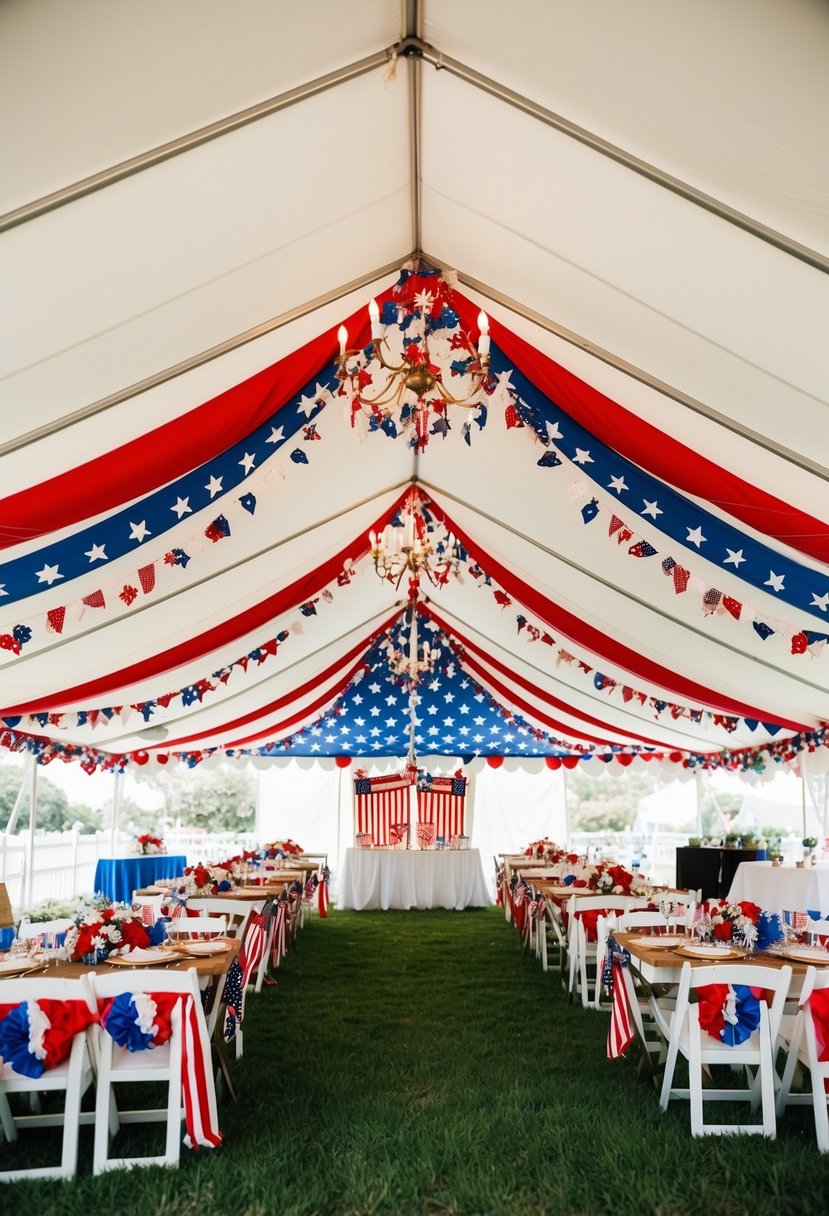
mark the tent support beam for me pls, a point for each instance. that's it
(203, 357)
(637, 373)
(193, 139)
(438, 492)
(627, 159)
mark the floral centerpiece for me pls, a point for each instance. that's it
(280, 848)
(202, 880)
(148, 844)
(544, 850)
(735, 923)
(109, 929)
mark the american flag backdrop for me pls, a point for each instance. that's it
(380, 802)
(443, 804)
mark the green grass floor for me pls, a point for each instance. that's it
(418, 1062)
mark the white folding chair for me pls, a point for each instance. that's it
(803, 1050)
(235, 914)
(641, 918)
(30, 930)
(583, 954)
(184, 928)
(117, 1065)
(73, 1077)
(687, 1038)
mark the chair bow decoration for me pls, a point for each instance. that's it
(142, 1021)
(729, 1012)
(818, 1004)
(254, 944)
(36, 1035)
(322, 892)
(620, 1033)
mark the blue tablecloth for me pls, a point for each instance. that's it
(118, 877)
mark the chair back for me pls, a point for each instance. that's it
(643, 918)
(235, 914)
(769, 980)
(46, 930)
(184, 928)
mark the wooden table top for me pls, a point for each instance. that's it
(211, 965)
(659, 959)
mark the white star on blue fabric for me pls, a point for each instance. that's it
(214, 486)
(651, 509)
(775, 581)
(139, 531)
(276, 436)
(96, 554)
(820, 601)
(49, 574)
(618, 484)
(3, 590)
(583, 456)
(182, 507)
(695, 536)
(554, 431)
(735, 557)
(247, 462)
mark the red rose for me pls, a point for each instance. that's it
(133, 935)
(752, 911)
(723, 931)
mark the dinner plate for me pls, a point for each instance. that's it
(806, 954)
(706, 950)
(663, 941)
(205, 949)
(17, 966)
(142, 958)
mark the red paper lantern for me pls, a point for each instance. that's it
(140, 757)
(495, 761)
(570, 761)
(162, 758)
(553, 761)
(342, 761)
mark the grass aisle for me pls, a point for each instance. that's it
(418, 1063)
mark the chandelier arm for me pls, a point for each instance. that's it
(465, 401)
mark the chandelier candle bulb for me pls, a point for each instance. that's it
(374, 317)
(483, 340)
(342, 334)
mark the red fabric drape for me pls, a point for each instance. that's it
(654, 450)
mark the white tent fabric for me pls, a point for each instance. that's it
(191, 195)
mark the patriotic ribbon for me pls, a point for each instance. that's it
(38, 1035)
(254, 944)
(142, 1022)
(729, 1012)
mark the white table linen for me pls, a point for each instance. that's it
(782, 888)
(412, 878)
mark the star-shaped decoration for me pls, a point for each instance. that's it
(390, 700)
(618, 484)
(775, 581)
(307, 405)
(431, 709)
(735, 558)
(650, 508)
(448, 721)
(374, 712)
(139, 531)
(214, 486)
(583, 456)
(820, 601)
(3, 590)
(247, 462)
(554, 431)
(49, 574)
(374, 688)
(97, 553)
(182, 507)
(424, 300)
(449, 696)
(694, 536)
(277, 435)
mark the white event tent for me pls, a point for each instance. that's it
(629, 517)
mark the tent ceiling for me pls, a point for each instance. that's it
(641, 196)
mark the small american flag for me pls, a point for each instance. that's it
(620, 1032)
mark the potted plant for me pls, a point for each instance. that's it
(809, 846)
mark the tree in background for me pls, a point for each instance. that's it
(55, 813)
(220, 799)
(604, 801)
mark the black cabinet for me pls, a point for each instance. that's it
(711, 870)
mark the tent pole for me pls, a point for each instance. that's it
(116, 810)
(566, 811)
(803, 797)
(700, 797)
(21, 793)
(30, 846)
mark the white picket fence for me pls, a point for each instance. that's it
(64, 862)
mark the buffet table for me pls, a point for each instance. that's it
(412, 878)
(782, 888)
(118, 877)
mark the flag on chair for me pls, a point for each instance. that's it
(620, 1033)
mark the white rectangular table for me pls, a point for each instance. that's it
(412, 878)
(782, 888)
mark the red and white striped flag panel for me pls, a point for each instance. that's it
(384, 804)
(443, 806)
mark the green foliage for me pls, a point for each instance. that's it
(53, 811)
(216, 799)
(606, 802)
(418, 1064)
